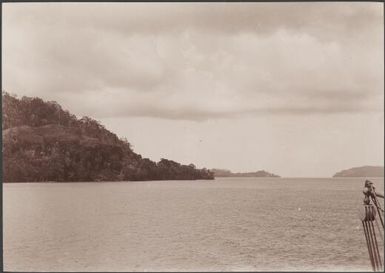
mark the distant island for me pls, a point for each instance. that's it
(364, 171)
(42, 142)
(228, 173)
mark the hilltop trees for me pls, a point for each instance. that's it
(33, 112)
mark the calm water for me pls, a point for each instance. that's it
(244, 224)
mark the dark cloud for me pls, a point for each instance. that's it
(197, 61)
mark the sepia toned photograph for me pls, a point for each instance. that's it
(192, 137)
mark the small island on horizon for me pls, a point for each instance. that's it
(363, 171)
(228, 173)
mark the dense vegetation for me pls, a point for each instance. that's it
(228, 173)
(364, 171)
(43, 142)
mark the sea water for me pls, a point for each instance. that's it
(229, 224)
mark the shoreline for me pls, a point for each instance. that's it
(185, 180)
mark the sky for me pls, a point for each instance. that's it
(296, 89)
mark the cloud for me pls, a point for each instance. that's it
(196, 61)
(330, 18)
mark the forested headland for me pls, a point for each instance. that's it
(42, 142)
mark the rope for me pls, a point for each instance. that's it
(372, 205)
(379, 232)
(371, 238)
(377, 256)
(368, 245)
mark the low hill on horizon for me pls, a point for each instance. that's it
(364, 171)
(228, 173)
(43, 142)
